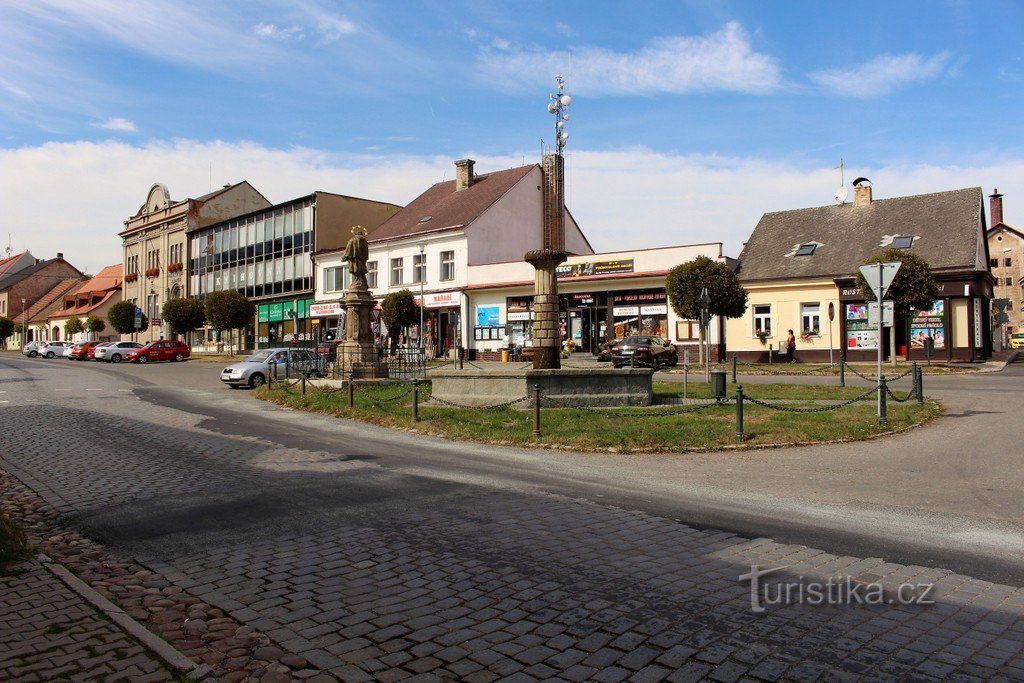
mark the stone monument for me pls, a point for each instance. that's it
(357, 354)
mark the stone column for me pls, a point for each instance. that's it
(547, 336)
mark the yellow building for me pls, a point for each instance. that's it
(800, 266)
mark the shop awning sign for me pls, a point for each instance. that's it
(325, 310)
(588, 268)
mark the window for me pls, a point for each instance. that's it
(993, 263)
(447, 265)
(419, 268)
(1007, 262)
(371, 274)
(687, 330)
(903, 242)
(806, 249)
(810, 318)
(763, 320)
(397, 266)
(336, 279)
(1009, 282)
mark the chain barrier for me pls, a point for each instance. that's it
(766, 371)
(912, 394)
(871, 378)
(555, 403)
(382, 401)
(817, 409)
(452, 404)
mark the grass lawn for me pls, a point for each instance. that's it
(13, 547)
(619, 430)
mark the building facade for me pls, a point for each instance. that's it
(1006, 261)
(94, 297)
(154, 244)
(22, 288)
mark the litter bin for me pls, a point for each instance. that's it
(504, 355)
(718, 384)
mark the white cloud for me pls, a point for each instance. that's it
(118, 124)
(721, 61)
(883, 74)
(273, 32)
(623, 199)
(331, 27)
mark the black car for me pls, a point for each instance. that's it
(645, 351)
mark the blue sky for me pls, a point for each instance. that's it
(689, 119)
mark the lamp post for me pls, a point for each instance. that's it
(423, 277)
(1006, 304)
(24, 325)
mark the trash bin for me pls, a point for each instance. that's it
(504, 355)
(718, 384)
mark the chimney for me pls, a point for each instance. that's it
(463, 174)
(995, 207)
(862, 195)
(60, 255)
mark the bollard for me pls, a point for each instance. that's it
(286, 368)
(415, 400)
(271, 371)
(920, 385)
(536, 411)
(734, 368)
(842, 372)
(351, 390)
(462, 357)
(739, 414)
(883, 415)
(303, 385)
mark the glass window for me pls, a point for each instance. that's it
(993, 263)
(447, 265)
(289, 269)
(371, 274)
(419, 268)
(278, 270)
(289, 223)
(1009, 282)
(335, 279)
(298, 220)
(1007, 262)
(763, 319)
(903, 242)
(278, 225)
(806, 249)
(397, 266)
(810, 318)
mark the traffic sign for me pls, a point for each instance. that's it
(880, 276)
(138, 318)
(887, 313)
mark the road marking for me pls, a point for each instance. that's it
(4, 401)
(89, 390)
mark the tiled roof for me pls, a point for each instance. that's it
(51, 301)
(93, 293)
(945, 225)
(448, 208)
(12, 262)
(18, 275)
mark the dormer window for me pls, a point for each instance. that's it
(903, 242)
(806, 249)
(426, 219)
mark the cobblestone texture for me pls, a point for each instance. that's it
(396, 577)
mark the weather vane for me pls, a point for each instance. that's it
(559, 106)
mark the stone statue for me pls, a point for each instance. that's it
(357, 251)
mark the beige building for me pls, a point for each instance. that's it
(1006, 261)
(154, 244)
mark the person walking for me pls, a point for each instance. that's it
(791, 347)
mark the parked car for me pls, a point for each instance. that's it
(32, 348)
(91, 354)
(644, 350)
(67, 351)
(254, 370)
(81, 351)
(165, 349)
(52, 349)
(1017, 340)
(115, 352)
(328, 350)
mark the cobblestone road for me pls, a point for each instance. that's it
(371, 573)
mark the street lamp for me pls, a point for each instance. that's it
(423, 277)
(1006, 303)
(24, 325)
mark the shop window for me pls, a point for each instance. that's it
(419, 268)
(447, 265)
(810, 318)
(687, 330)
(763, 320)
(371, 274)
(397, 267)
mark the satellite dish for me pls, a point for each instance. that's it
(841, 194)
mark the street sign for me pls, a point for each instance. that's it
(831, 311)
(138, 318)
(880, 276)
(887, 313)
(686, 356)
(1000, 304)
(705, 299)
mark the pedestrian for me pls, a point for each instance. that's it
(791, 347)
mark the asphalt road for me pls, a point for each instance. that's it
(950, 495)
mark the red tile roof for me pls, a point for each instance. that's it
(93, 293)
(51, 301)
(448, 208)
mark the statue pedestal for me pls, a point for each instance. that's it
(357, 355)
(547, 334)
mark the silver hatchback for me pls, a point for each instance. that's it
(280, 363)
(115, 352)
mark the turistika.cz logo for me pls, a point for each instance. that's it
(836, 590)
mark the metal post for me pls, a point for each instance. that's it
(303, 384)
(271, 371)
(881, 333)
(883, 415)
(920, 385)
(686, 381)
(536, 411)
(461, 352)
(842, 371)
(351, 390)
(734, 368)
(739, 414)
(416, 400)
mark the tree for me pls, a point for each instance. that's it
(229, 310)
(399, 310)
(73, 326)
(184, 315)
(122, 318)
(685, 282)
(6, 329)
(95, 324)
(913, 289)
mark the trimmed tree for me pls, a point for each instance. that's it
(72, 327)
(913, 289)
(398, 311)
(95, 324)
(184, 315)
(685, 282)
(6, 329)
(229, 310)
(122, 318)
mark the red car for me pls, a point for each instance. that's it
(82, 350)
(165, 349)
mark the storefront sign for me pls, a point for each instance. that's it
(441, 300)
(640, 296)
(325, 310)
(977, 323)
(620, 311)
(488, 316)
(654, 310)
(588, 268)
(519, 316)
(931, 323)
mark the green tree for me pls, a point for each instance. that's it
(684, 283)
(6, 329)
(184, 315)
(398, 311)
(229, 310)
(913, 289)
(122, 318)
(95, 324)
(73, 326)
